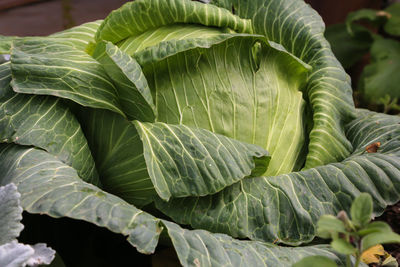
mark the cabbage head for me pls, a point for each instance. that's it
(232, 118)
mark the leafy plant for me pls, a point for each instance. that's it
(232, 117)
(351, 41)
(353, 236)
(389, 104)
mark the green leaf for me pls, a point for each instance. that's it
(184, 161)
(5, 44)
(5, 79)
(315, 261)
(299, 29)
(165, 39)
(228, 101)
(371, 127)
(53, 67)
(375, 17)
(343, 247)
(47, 186)
(349, 49)
(380, 77)
(202, 248)
(361, 210)
(329, 226)
(139, 16)
(10, 214)
(392, 26)
(379, 238)
(133, 90)
(286, 208)
(65, 195)
(118, 152)
(44, 122)
(80, 35)
(373, 227)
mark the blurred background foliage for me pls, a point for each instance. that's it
(367, 44)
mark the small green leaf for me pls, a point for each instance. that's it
(392, 26)
(375, 227)
(343, 247)
(315, 261)
(329, 225)
(379, 238)
(375, 17)
(361, 209)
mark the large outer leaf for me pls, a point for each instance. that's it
(299, 29)
(253, 98)
(201, 248)
(139, 16)
(287, 207)
(54, 67)
(45, 122)
(80, 35)
(184, 161)
(48, 186)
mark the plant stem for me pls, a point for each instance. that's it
(348, 261)
(358, 252)
(357, 261)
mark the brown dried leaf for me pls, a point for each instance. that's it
(373, 148)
